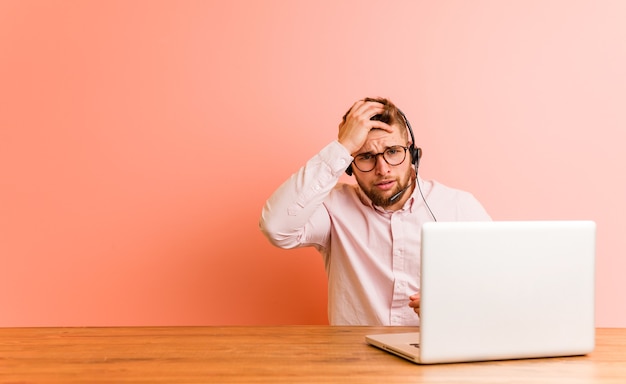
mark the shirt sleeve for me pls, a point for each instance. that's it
(294, 215)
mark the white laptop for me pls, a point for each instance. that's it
(502, 290)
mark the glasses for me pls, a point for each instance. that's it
(395, 155)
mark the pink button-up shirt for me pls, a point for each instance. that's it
(371, 256)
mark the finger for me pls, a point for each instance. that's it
(355, 109)
(381, 125)
(370, 109)
(415, 306)
(365, 109)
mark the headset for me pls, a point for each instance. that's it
(414, 152)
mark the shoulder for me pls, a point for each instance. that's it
(442, 191)
(346, 197)
(455, 204)
(343, 192)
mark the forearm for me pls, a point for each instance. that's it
(297, 205)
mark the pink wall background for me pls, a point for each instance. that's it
(140, 139)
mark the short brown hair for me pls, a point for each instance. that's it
(391, 114)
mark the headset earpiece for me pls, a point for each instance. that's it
(416, 155)
(349, 170)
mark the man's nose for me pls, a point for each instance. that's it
(381, 166)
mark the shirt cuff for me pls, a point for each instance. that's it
(336, 156)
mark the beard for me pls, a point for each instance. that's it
(384, 200)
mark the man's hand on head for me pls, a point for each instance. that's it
(354, 130)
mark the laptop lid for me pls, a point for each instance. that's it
(505, 290)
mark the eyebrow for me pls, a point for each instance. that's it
(373, 153)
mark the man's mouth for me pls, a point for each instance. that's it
(386, 185)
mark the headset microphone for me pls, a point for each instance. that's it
(395, 197)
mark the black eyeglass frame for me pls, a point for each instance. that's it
(375, 156)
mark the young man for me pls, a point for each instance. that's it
(368, 233)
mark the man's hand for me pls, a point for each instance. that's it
(415, 303)
(353, 132)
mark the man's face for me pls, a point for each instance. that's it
(385, 180)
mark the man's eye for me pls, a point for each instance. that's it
(392, 151)
(366, 156)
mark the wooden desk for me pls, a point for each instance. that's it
(314, 354)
